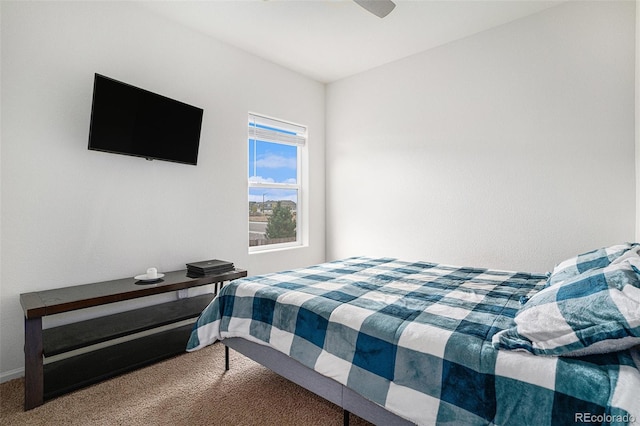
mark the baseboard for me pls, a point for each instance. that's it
(10, 375)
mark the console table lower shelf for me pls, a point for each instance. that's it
(77, 371)
(110, 345)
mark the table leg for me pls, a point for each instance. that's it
(33, 367)
(226, 358)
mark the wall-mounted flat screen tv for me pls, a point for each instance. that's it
(133, 121)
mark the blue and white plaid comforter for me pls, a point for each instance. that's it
(415, 337)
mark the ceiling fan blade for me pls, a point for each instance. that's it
(380, 8)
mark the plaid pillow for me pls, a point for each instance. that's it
(595, 312)
(576, 265)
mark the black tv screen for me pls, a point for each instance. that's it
(133, 121)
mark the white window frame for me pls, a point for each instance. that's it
(299, 141)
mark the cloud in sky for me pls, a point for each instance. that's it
(273, 161)
(260, 179)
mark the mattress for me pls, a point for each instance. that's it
(416, 338)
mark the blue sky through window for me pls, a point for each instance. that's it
(272, 162)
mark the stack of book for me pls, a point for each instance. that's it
(208, 267)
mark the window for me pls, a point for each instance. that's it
(275, 151)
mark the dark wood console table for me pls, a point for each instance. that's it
(47, 380)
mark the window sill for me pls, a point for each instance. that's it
(254, 251)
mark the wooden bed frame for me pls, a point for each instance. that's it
(327, 388)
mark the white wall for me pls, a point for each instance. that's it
(72, 216)
(512, 149)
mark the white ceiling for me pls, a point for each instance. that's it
(328, 40)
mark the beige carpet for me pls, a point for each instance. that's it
(191, 389)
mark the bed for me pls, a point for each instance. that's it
(399, 342)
